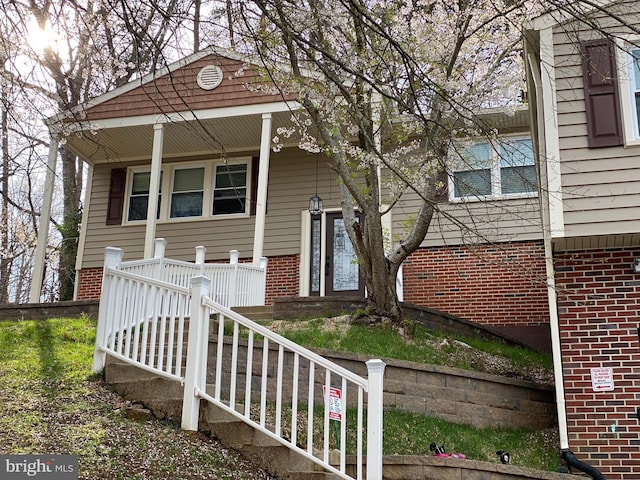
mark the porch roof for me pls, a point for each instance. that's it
(186, 134)
(197, 119)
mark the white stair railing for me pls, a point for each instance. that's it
(143, 321)
(232, 284)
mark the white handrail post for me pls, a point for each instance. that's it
(200, 256)
(112, 260)
(160, 245)
(263, 282)
(195, 375)
(159, 248)
(375, 370)
(233, 281)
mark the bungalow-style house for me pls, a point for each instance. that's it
(584, 84)
(195, 144)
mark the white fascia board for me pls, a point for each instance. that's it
(552, 142)
(558, 17)
(173, 117)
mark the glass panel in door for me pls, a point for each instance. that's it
(343, 273)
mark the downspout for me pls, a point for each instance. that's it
(572, 461)
(548, 256)
(566, 454)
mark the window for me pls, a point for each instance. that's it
(202, 189)
(139, 196)
(230, 189)
(187, 192)
(630, 85)
(503, 169)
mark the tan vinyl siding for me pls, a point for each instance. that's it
(599, 185)
(292, 180)
(462, 223)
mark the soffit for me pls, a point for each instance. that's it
(190, 138)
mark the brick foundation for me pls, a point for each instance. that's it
(502, 285)
(89, 283)
(282, 279)
(598, 296)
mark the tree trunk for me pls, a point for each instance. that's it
(5, 260)
(69, 229)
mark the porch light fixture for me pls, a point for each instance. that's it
(315, 205)
(315, 202)
(636, 265)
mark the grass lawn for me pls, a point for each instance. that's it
(50, 403)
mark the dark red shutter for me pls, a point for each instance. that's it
(116, 196)
(604, 124)
(255, 162)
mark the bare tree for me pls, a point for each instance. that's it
(92, 46)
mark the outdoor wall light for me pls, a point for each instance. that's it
(315, 205)
(636, 265)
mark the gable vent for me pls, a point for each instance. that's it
(209, 77)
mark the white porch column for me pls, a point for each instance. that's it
(43, 231)
(154, 189)
(263, 179)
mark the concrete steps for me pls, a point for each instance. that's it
(260, 313)
(163, 397)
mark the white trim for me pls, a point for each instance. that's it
(626, 84)
(557, 17)
(263, 181)
(305, 254)
(205, 208)
(552, 147)
(154, 190)
(495, 145)
(168, 170)
(45, 216)
(173, 117)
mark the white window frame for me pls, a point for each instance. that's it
(496, 182)
(181, 167)
(247, 205)
(626, 85)
(168, 175)
(131, 171)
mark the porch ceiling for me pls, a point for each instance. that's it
(125, 140)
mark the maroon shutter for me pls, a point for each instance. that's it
(255, 162)
(604, 124)
(116, 196)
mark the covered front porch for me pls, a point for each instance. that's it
(177, 151)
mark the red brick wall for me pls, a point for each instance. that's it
(89, 284)
(599, 316)
(282, 279)
(495, 285)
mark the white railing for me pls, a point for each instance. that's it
(231, 284)
(279, 388)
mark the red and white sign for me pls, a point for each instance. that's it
(335, 403)
(602, 379)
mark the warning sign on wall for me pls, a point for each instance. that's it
(602, 379)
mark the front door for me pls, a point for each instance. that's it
(341, 272)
